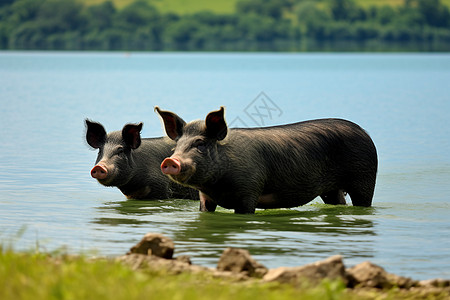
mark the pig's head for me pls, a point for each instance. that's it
(196, 158)
(114, 161)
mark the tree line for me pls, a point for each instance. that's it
(255, 25)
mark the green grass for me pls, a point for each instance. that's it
(223, 6)
(179, 6)
(40, 276)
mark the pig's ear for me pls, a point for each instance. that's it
(216, 127)
(131, 134)
(95, 134)
(173, 124)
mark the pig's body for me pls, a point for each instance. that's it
(281, 166)
(133, 166)
(290, 165)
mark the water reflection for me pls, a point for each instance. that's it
(313, 219)
(135, 207)
(275, 237)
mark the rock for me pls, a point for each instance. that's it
(155, 252)
(141, 261)
(236, 277)
(154, 244)
(239, 261)
(331, 268)
(400, 281)
(367, 274)
(370, 275)
(438, 282)
(184, 258)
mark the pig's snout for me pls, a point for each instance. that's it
(171, 166)
(99, 172)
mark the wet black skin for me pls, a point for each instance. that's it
(273, 167)
(133, 162)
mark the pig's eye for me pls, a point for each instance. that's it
(119, 151)
(201, 148)
(200, 145)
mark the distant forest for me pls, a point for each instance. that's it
(284, 25)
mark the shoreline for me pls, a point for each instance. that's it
(155, 251)
(150, 268)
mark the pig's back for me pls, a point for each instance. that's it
(310, 148)
(318, 134)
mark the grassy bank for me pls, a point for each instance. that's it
(40, 276)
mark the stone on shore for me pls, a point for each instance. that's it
(367, 274)
(155, 251)
(155, 244)
(239, 261)
(173, 266)
(438, 282)
(330, 268)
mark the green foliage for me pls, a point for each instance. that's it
(137, 14)
(346, 10)
(256, 24)
(269, 8)
(434, 13)
(382, 15)
(100, 17)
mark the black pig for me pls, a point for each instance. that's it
(271, 167)
(133, 164)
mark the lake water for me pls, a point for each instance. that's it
(49, 201)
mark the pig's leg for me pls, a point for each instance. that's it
(334, 197)
(206, 203)
(361, 192)
(246, 205)
(244, 210)
(361, 198)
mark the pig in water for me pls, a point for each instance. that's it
(133, 164)
(271, 167)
